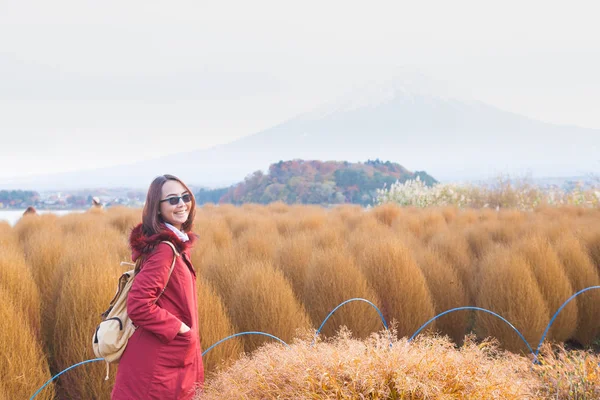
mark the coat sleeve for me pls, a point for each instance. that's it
(146, 287)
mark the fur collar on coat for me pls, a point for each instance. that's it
(142, 244)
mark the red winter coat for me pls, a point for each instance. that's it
(159, 363)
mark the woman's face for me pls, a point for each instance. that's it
(177, 214)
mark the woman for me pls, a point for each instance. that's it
(163, 358)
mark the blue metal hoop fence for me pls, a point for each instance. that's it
(535, 354)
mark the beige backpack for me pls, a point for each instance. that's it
(112, 334)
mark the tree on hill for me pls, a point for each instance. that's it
(314, 182)
(18, 198)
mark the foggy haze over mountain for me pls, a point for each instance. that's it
(214, 91)
(401, 120)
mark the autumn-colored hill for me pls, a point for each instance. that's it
(314, 182)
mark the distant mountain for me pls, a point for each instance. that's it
(314, 182)
(400, 121)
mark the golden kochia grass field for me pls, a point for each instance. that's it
(280, 269)
(427, 368)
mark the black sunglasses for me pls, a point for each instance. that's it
(175, 199)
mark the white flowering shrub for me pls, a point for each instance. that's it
(416, 193)
(503, 194)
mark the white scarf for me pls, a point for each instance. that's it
(181, 235)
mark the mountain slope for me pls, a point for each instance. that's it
(448, 138)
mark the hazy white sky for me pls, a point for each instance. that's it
(95, 83)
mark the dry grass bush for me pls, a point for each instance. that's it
(331, 279)
(263, 301)
(468, 216)
(8, 237)
(367, 222)
(392, 270)
(487, 214)
(278, 207)
(43, 245)
(478, 239)
(292, 258)
(590, 238)
(345, 211)
(512, 216)
(286, 225)
(576, 211)
(549, 226)
(222, 210)
(200, 258)
(253, 209)
(410, 223)
(238, 222)
(568, 374)
(507, 286)
(300, 219)
(421, 223)
(555, 229)
(447, 291)
(214, 324)
(387, 213)
(210, 208)
(221, 268)
(213, 233)
(258, 244)
(553, 284)
(582, 274)
(345, 368)
(124, 219)
(549, 212)
(16, 279)
(330, 236)
(502, 232)
(310, 218)
(219, 233)
(350, 215)
(368, 232)
(449, 213)
(4, 395)
(23, 366)
(96, 211)
(18, 284)
(81, 224)
(432, 221)
(556, 221)
(92, 266)
(25, 226)
(453, 249)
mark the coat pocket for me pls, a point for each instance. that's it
(179, 352)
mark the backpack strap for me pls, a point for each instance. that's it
(175, 255)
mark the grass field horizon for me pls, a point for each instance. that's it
(280, 269)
